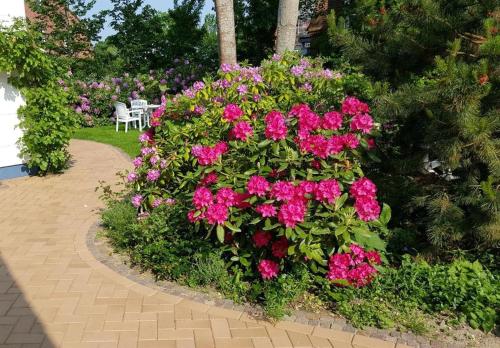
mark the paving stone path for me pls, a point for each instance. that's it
(54, 293)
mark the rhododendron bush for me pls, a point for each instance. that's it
(267, 162)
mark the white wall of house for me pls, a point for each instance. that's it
(10, 98)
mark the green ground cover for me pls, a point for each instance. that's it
(106, 134)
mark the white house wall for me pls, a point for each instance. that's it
(10, 98)
(10, 9)
(10, 101)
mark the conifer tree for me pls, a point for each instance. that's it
(437, 63)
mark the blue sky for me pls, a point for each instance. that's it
(160, 5)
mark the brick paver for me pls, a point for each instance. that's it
(54, 293)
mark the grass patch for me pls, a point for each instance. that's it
(106, 134)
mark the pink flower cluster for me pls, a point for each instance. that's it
(275, 126)
(208, 155)
(355, 267)
(364, 192)
(232, 112)
(268, 269)
(242, 131)
(321, 145)
(294, 198)
(215, 208)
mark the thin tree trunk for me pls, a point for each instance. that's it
(225, 31)
(288, 14)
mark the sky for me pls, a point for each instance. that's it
(160, 5)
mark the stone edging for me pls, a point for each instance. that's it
(117, 263)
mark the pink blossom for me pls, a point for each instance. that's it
(198, 85)
(332, 120)
(268, 269)
(363, 187)
(299, 109)
(221, 147)
(157, 202)
(362, 122)
(153, 175)
(336, 144)
(354, 267)
(136, 200)
(367, 208)
(137, 162)
(226, 196)
(327, 191)
(341, 260)
(317, 144)
(282, 190)
(280, 248)
(316, 164)
(305, 189)
(209, 179)
(275, 126)
(154, 159)
(308, 121)
(208, 155)
(242, 130)
(276, 57)
(353, 106)
(337, 274)
(202, 197)
(297, 70)
(242, 89)
(266, 210)
(132, 177)
(374, 257)
(361, 275)
(292, 213)
(257, 185)
(358, 252)
(350, 141)
(232, 112)
(145, 137)
(261, 238)
(147, 151)
(216, 213)
(371, 143)
(192, 217)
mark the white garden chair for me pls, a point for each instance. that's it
(141, 104)
(127, 116)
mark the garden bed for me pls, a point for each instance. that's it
(439, 335)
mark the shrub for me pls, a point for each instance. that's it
(95, 99)
(46, 119)
(280, 180)
(47, 124)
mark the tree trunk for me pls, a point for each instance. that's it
(288, 14)
(225, 31)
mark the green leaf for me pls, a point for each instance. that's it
(220, 233)
(232, 227)
(264, 143)
(271, 227)
(385, 215)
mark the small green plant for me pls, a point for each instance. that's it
(402, 296)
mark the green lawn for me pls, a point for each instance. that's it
(128, 142)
